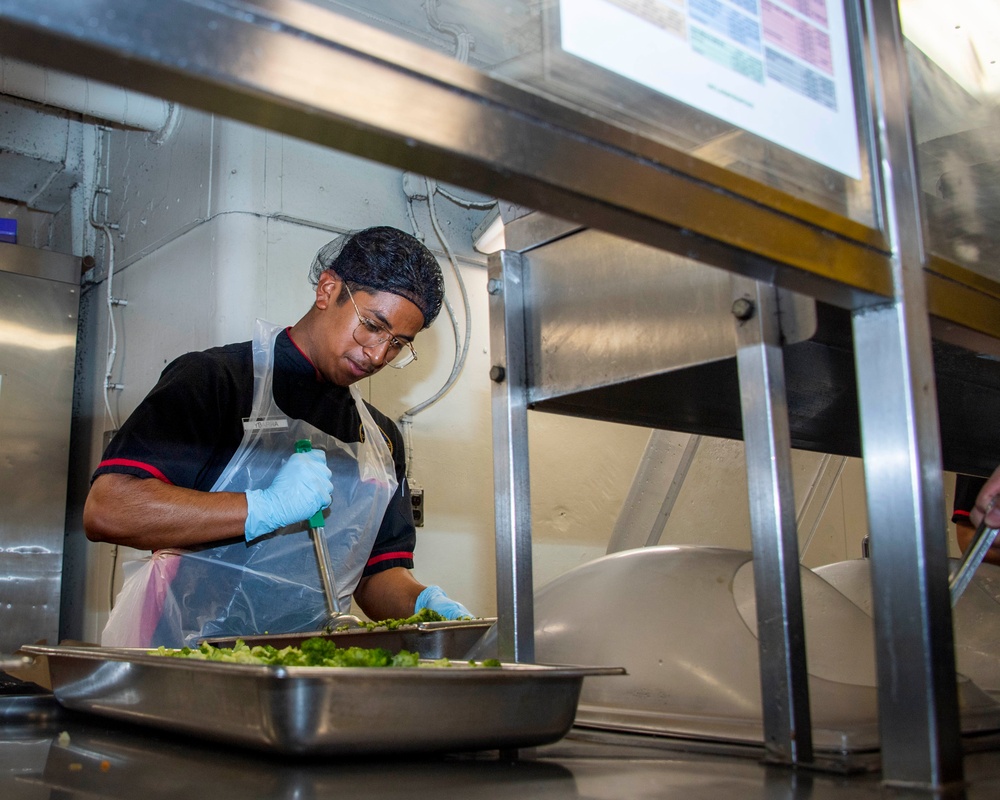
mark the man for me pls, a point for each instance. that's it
(205, 474)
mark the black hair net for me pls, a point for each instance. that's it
(385, 259)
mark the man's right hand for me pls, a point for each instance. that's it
(988, 502)
(302, 487)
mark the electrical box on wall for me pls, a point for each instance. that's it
(417, 503)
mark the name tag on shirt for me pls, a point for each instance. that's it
(265, 424)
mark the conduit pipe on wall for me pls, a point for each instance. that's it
(92, 98)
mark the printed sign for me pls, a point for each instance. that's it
(777, 68)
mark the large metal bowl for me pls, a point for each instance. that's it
(683, 621)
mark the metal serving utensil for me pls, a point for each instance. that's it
(973, 556)
(337, 618)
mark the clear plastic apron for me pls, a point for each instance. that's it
(272, 585)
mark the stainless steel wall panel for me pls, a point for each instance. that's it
(38, 319)
(603, 310)
(30, 586)
(35, 263)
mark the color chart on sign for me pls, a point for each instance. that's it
(777, 68)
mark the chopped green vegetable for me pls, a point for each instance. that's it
(314, 652)
(424, 615)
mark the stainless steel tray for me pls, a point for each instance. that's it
(453, 639)
(306, 710)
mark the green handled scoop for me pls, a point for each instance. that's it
(337, 619)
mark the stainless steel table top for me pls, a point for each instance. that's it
(49, 753)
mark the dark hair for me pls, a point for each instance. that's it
(385, 259)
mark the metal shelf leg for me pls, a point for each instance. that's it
(777, 586)
(515, 599)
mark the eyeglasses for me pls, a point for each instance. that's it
(369, 333)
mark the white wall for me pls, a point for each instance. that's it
(219, 225)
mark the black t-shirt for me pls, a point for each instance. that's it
(190, 424)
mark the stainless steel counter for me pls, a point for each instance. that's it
(47, 753)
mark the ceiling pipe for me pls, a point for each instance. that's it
(94, 99)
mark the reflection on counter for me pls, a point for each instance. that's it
(75, 756)
(84, 758)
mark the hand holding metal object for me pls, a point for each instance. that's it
(981, 542)
(316, 531)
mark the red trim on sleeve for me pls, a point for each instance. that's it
(388, 557)
(960, 513)
(127, 462)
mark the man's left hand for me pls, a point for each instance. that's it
(434, 598)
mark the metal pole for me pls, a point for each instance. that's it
(512, 498)
(646, 510)
(917, 691)
(784, 678)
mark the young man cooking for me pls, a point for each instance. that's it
(205, 471)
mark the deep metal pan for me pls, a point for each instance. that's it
(453, 639)
(308, 710)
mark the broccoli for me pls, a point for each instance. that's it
(424, 615)
(313, 652)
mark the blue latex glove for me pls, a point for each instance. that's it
(302, 487)
(434, 598)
